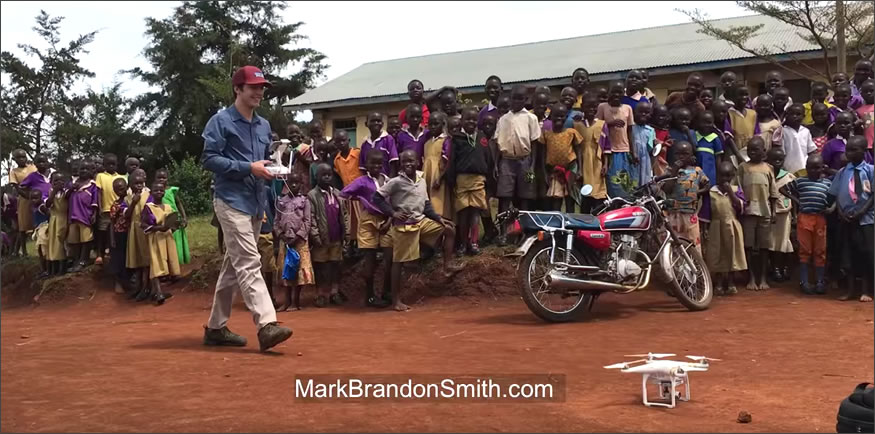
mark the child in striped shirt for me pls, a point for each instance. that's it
(809, 194)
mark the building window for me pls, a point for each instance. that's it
(349, 126)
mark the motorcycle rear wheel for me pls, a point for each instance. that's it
(537, 294)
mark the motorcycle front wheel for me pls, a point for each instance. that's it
(558, 306)
(691, 281)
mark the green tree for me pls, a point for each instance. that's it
(32, 95)
(96, 123)
(815, 22)
(193, 54)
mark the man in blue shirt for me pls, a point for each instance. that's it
(236, 147)
(852, 188)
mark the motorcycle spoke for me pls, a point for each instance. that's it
(543, 294)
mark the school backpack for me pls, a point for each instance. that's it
(855, 412)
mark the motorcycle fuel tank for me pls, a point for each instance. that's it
(633, 218)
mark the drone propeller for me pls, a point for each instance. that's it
(651, 355)
(623, 365)
(701, 358)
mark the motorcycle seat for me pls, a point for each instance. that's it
(586, 222)
(572, 221)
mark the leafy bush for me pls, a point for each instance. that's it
(194, 184)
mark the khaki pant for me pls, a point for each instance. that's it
(241, 268)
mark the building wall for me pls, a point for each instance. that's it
(661, 85)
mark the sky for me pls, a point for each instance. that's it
(348, 33)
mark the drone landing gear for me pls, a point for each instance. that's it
(667, 388)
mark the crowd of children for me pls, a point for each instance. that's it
(753, 181)
(136, 233)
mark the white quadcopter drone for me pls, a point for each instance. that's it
(666, 374)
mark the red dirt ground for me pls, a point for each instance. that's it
(106, 364)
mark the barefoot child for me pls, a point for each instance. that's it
(293, 228)
(84, 199)
(470, 162)
(620, 164)
(118, 238)
(852, 188)
(405, 198)
(757, 180)
(725, 250)
(781, 247)
(372, 233)
(24, 221)
(137, 255)
(163, 259)
(104, 182)
(57, 206)
(173, 198)
(594, 134)
(487, 130)
(562, 159)
(810, 194)
(326, 236)
(683, 194)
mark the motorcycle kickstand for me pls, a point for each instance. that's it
(592, 302)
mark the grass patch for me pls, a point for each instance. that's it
(201, 236)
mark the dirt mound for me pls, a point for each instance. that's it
(20, 287)
(488, 275)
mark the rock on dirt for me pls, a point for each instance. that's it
(744, 417)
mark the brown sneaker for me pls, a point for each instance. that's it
(272, 335)
(223, 337)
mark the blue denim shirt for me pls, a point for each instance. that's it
(231, 143)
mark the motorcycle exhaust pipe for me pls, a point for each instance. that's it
(557, 280)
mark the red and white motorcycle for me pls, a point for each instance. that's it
(568, 260)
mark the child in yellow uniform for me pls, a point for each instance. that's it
(137, 258)
(25, 211)
(57, 206)
(594, 133)
(163, 259)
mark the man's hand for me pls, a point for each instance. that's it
(436, 184)
(725, 188)
(400, 215)
(257, 168)
(183, 223)
(135, 199)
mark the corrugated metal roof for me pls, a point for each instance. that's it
(663, 46)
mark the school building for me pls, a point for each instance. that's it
(669, 53)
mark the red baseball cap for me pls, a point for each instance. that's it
(249, 75)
